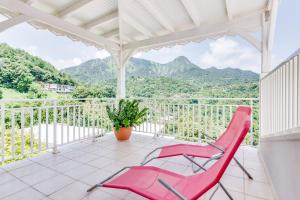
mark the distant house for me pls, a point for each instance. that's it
(58, 88)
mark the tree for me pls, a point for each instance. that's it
(23, 79)
(36, 92)
(81, 92)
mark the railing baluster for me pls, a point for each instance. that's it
(31, 131)
(2, 131)
(89, 109)
(83, 118)
(40, 128)
(223, 115)
(178, 119)
(251, 129)
(22, 133)
(217, 121)
(68, 124)
(55, 127)
(47, 129)
(93, 121)
(205, 116)
(193, 121)
(78, 122)
(74, 123)
(199, 122)
(183, 121)
(62, 125)
(13, 151)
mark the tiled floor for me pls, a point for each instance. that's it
(70, 173)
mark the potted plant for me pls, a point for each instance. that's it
(125, 117)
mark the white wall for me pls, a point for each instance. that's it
(281, 155)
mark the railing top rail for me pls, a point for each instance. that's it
(278, 67)
(138, 98)
(197, 98)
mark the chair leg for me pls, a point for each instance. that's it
(224, 189)
(146, 157)
(214, 192)
(243, 168)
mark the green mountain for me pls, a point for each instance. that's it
(96, 70)
(19, 69)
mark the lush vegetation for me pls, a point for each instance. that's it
(19, 70)
(179, 77)
(93, 91)
(97, 70)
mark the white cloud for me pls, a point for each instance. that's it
(138, 55)
(63, 63)
(162, 55)
(101, 54)
(226, 52)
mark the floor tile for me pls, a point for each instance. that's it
(66, 166)
(11, 187)
(96, 177)
(85, 158)
(233, 183)
(221, 195)
(53, 184)
(17, 164)
(26, 170)
(6, 177)
(27, 194)
(115, 166)
(100, 162)
(74, 191)
(39, 176)
(258, 189)
(53, 161)
(81, 171)
(2, 170)
(99, 195)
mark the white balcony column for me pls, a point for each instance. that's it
(267, 38)
(266, 51)
(121, 78)
(120, 58)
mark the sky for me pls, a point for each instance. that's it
(224, 52)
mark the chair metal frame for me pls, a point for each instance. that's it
(206, 162)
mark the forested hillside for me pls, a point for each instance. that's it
(20, 71)
(179, 77)
(96, 70)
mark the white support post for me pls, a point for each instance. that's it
(268, 32)
(55, 151)
(266, 51)
(120, 59)
(121, 78)
(93, 120)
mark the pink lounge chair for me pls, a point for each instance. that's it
(200, 151)
(158, 184)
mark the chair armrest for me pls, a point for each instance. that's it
(170, 188)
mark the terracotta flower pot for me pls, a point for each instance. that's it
(123, 133)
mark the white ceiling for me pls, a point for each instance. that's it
(139, 24)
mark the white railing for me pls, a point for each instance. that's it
(32, 126)
(280, 98)
(188, 118)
